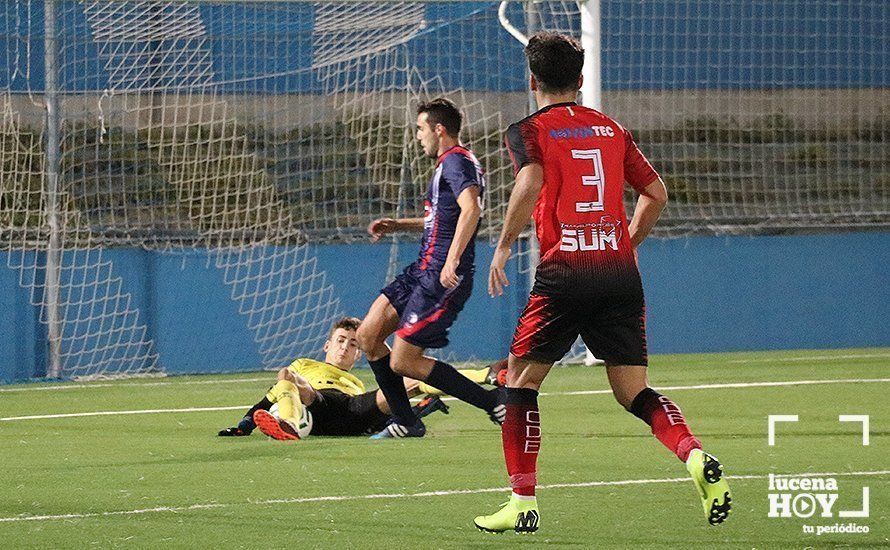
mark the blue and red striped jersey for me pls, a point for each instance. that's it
(456, 170)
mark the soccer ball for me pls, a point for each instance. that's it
(590, 360)
(304, 426)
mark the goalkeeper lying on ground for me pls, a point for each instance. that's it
(326, 399)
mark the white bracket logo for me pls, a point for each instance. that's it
(771, 428)
(774, 419)
(803, 504)
(857, 418)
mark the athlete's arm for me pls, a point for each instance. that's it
(652, 201)
(470, 211)
(382, 226)
(523, 198)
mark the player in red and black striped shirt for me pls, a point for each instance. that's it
(422, 302)
(571, 166)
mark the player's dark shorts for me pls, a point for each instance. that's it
(426, 308)
(336, 413)
(550, 324)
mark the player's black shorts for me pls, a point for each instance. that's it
(336, 413)
(426, 308)
(549, 326)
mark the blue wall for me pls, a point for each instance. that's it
(22, 339)
(703, 294)
(760, 293)
(651, 44)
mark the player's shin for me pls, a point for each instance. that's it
(280, 388)
(521, 433)
(521, 436)
(393, 387)
(667, 422)
(446, 378)
(290, 408)
(669, 426)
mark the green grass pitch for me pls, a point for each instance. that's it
(166, 479)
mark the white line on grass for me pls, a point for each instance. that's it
(812, 358)
(545, 394)
(739, 385)
(78, 386)
(114, 413)
(88, 386)
(426, 494)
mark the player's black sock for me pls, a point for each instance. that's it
(247, 424)
(393, 387)
(446, 378)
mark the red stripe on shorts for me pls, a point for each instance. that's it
(412, 329)
(531, 321)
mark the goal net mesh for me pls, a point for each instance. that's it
(254, 131)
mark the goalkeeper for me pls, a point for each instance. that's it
(324, 398)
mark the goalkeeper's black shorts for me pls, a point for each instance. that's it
(336, 413)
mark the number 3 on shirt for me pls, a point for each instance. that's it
(597, 179)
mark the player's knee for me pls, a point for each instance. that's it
(623, 400)
(382, 405)
(366, 336)
(627, 398)
(406, 364)
(517, 380)
(627, 383)
(402, 366)
(302, 384)
(524, 376)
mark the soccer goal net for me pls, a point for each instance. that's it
(246, 133)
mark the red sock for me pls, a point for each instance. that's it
(521, 434)
(667, 422)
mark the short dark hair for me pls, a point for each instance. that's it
(556, 61)
(442, 111)
(349, 323)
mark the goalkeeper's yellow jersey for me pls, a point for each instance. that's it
(323, 376)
